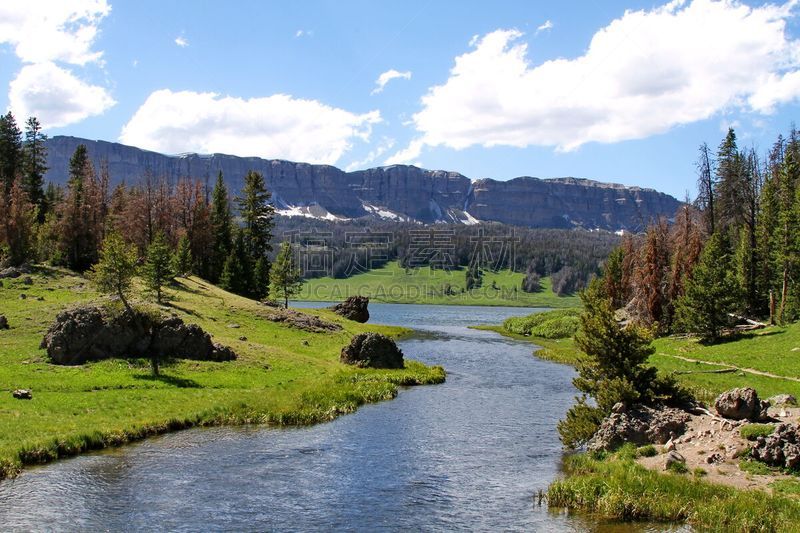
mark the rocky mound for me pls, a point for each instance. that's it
(781, 449)
(353, 308)
(300, 320)
(639, 425)
(741, 404)
(90, 334)
(372, 350)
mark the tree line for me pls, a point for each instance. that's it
(197, 230)
(733, 252)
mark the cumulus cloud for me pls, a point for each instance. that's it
(181, 41)
(277, 126)
(55, 95)
(644, 73)
(46, 32)
(52, 30)
(303, 33)
(388, 76)
(547, 25)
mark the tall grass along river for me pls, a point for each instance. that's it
(468, 454)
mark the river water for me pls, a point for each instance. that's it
(465, 455)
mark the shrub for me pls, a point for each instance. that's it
(559, 324)
(677, 467)
(647, 451)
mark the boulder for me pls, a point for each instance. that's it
(3, 322)
(372, 350)
(22, 394)
(89, 334)
(353, 308)
(640, 425)
(740, 404)
(674, 457)
(783, 399)
(781, 448)
(10, 272)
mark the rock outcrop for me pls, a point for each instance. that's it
(354, 308)
(299, 320)
(90, 334)
(639, 425)
(741, 404)
(22, 394)
(372, 350)
(782, 399)
(781, 449)
(398, 192)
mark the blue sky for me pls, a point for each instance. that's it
(613, 91)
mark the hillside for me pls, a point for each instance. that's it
(397, 192)
(283, 375)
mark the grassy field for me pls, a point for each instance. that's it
(283, 375)
(774, 350)
(392, 284)
(618, 488)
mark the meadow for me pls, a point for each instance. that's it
(283, 375)
(394, 284)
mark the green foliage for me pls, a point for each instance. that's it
(10, 151)
(559, 324)
(157, 270)
(711, 293)
(222, 229)
(257, 217)
(755, 467)
(699, 472)
(182, 260)
(623, 490)
(676, 467)
(580, 424)
(286, 277)
(237, 274)
(647, 451)
(113, 274)
(753, 431)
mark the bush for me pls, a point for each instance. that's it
(647, 451)
(677, 467)
(753, 431)
(559, 324)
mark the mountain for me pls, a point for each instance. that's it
(397, 192)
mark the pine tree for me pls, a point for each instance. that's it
(687, 245)
(257, 218)
(731, 184)
(788, 254)
(612, 278)
(10, 152)
(114, 272)
(79, 243)
(17, 224)
(706, 188)
(182, 261)
(651, 279)
(237, 274)
(34, 166)
(286, 278)
(711, 292)
(157, 270)
(222, 229)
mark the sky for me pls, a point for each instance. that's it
(612, 91)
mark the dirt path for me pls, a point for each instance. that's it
(733, 367)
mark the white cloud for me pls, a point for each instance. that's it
(547, 25)
(181, 41)
(55, 95)
(388, 76)
(644, 73)
(46, 32)
(407, 154)
(277, 126)
(52, 30)
(303, 33)
(384, 146)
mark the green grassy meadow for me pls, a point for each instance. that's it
(393, 284)
(283, 376)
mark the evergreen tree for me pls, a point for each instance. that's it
(651, 282)
(286, 278)
(612, 278)
(237, 274)
(711, 292)
(10, 151)
(114, 272)
(788, 254)
(731, 183)
(35, 165)
(157, 270)
(706, 189)
(687, 245)
(182, 262)
(613, 370)
(222, 229)
(17, 224)
(78, 242)
(257, 222)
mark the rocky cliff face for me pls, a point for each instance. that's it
(397, 192)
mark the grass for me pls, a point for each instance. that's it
(393, 284)
(560, 324)
(618, 488)
(283, 376)
(753, 431)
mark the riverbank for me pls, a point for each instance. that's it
(283, 376)
(393, 284)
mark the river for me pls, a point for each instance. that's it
(465, 455)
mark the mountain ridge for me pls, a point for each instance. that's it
(397, 192)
